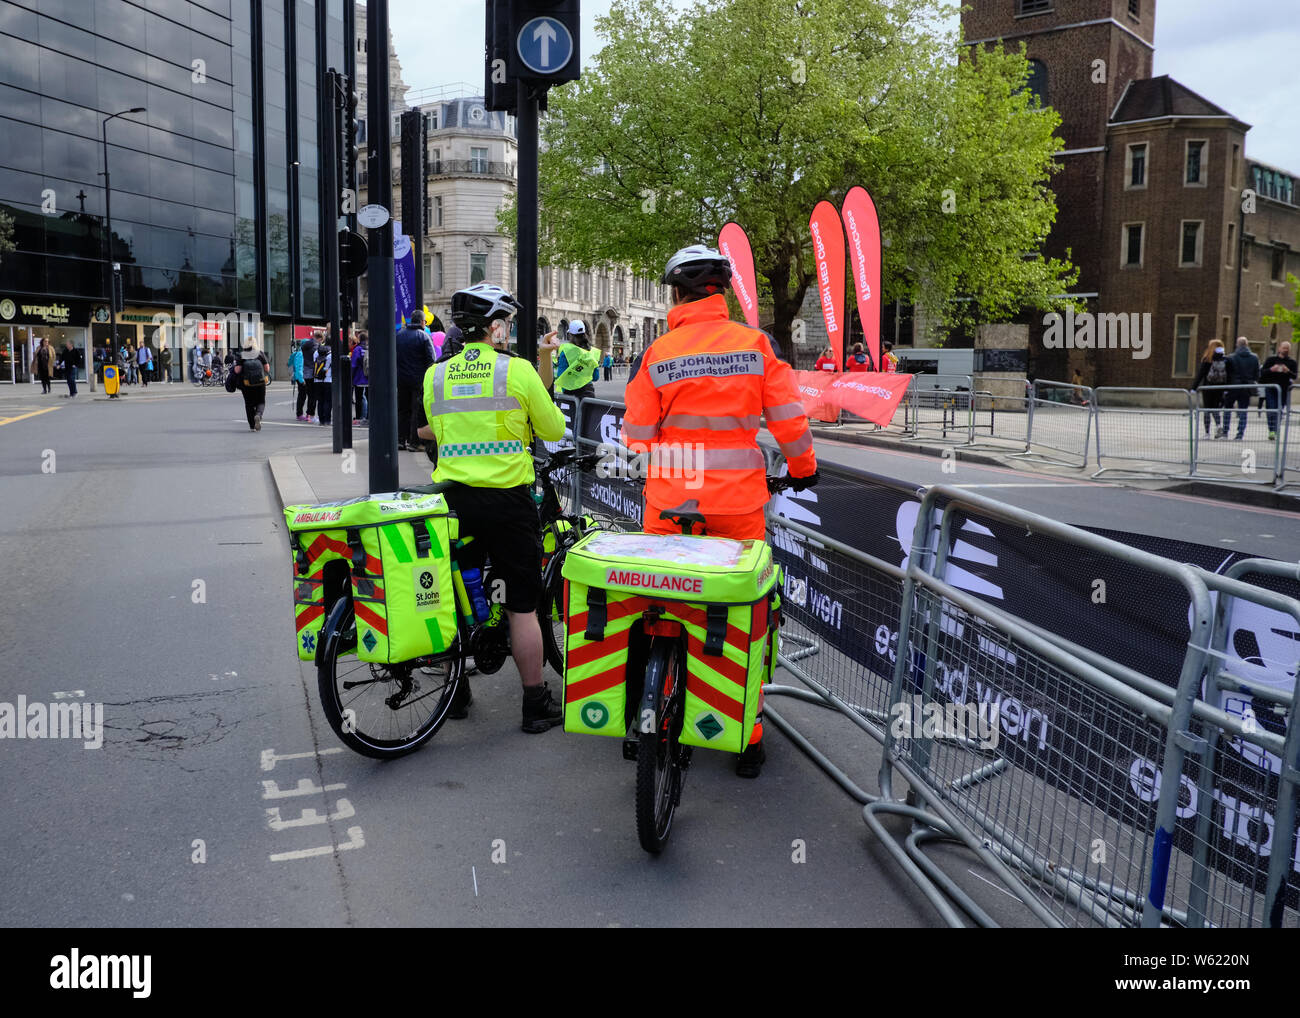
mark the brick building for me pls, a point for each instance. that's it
(1150, 196)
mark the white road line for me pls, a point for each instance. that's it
(356, 840)
(272, 789)
(342, 811)
(270, 757)
(71, 693)
(991, 884)
(1024, 484)
(475, 876)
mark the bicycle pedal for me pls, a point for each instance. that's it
(630, 747)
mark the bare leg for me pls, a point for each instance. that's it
(526, 647)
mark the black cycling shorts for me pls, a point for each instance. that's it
(504, 522)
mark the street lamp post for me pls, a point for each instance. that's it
(109, 265)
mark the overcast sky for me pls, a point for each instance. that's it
(1240, 55)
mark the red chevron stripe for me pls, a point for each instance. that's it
(615, 610)
(371, 618)
(597, 649)
(597, 683)
(697, 617)
(716, 699)
(720, 663)
(309, 616)
(322, 544)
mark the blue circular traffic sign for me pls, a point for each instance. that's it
(544, 45)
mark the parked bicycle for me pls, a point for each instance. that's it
(388, 710)
(694, 624)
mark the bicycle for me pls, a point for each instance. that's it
(386, 711)
(661, 759)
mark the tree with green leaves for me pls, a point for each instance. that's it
(754, 110)
(1283, 315)
(6, 234)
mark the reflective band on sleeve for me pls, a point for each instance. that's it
(784, 412)
(710, 423)
(480, 448)
(706, 365)
(640, 432)
(687, 457)
(798, 447)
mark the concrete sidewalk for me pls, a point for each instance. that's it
(317, 474)
(22, 392)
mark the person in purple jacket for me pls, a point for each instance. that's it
(360, 378)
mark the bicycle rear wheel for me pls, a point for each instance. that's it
(661, 758)
(550, 612)
(381, 711)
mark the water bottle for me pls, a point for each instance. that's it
(474, 588)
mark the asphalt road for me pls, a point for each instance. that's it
(147, 571)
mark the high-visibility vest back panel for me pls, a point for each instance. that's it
(483, 432)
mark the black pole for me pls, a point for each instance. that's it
(526, 254)
(342, 290)
(383, 341)
(108, 269)
(329, 235)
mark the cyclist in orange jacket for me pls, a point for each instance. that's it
(694, 405)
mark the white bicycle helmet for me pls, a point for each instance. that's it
(698, 270)
(474, 309)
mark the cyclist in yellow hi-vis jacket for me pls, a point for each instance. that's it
(483, 408)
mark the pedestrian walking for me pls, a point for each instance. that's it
(253, 373)
(1243, 374)
(43, 365)
(1213, 371)
(165, 363)
(296, 376)
(144, 363)
(1279, 370)
(322, 376)
(306, 409)
(69, 358)
(361, 377)
(414, 357)
(608, 365)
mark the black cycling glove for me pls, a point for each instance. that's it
(800, 483)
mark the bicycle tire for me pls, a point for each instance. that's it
(660, 756)
(375, 728)
(550, 612)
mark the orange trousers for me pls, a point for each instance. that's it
(743, 527)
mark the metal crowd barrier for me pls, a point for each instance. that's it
(1144, 431)
(1233, 443)
(1055, 435)
(1095, 794)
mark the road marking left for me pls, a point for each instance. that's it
(23, 417)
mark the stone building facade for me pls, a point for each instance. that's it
(1150, 197)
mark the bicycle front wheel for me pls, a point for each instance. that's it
(660, 757)
(381, 711)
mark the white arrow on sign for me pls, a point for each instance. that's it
(546, 34)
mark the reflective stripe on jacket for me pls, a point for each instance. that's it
(696, 404)
(483, 407)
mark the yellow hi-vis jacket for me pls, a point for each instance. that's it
(579, 365)
(483, 407)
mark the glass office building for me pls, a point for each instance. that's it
(215, 203)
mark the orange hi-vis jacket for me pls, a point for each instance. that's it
(695, 403)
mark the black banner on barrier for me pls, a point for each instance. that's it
(1129, 614)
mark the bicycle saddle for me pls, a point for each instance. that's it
(687, 512)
